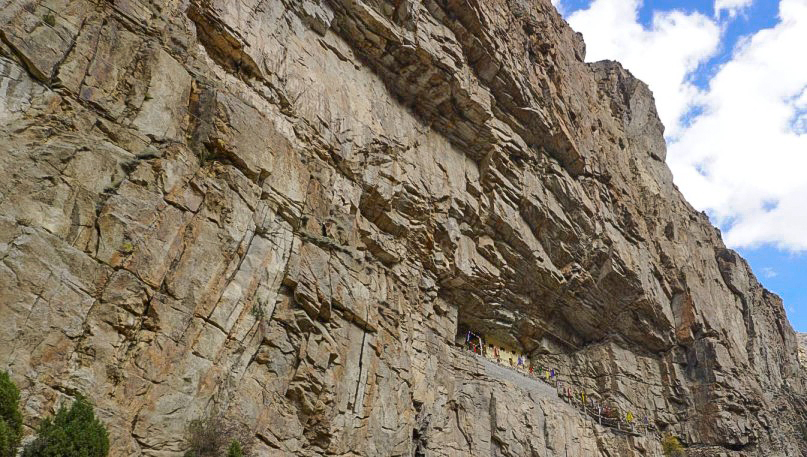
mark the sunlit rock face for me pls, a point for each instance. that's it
(289, 211)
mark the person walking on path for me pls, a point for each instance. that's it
(629, 419)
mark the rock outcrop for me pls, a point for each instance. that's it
(285, 211)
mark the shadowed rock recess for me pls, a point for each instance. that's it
(285, 211)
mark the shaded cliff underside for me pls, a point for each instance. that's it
(284, 210)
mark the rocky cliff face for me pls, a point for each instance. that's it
(286, 210)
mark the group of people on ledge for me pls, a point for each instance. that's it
(602, 412)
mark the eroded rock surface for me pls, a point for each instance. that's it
(285, 210)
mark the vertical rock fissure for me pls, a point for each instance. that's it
(460, 428)
(356, 400)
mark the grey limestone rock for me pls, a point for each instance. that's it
(287, 210)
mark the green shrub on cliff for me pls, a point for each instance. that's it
(672, 447)
(10, 417)
(215, 436)
(74, 432)
(235, 449)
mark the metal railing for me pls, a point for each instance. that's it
(605, 416)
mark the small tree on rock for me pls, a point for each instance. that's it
(215, 436)
(672, 447)
(10, 417)
(74, 432)
(235, 449)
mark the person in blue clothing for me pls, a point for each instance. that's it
(520, 361)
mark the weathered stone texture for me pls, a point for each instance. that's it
(284, 210)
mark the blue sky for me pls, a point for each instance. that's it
(730, 82)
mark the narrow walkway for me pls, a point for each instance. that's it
(495, 370)
(541, 386)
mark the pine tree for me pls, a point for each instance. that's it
(235, 449)
(10, 417)
(74, 432)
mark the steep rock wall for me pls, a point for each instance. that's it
(284, 211)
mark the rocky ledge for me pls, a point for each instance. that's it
(286, 211)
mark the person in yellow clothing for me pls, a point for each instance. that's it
(629, 419)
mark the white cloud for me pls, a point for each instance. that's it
(769, 272)
(663, 55)
(744, 158)
(558, 4)
(732, 7)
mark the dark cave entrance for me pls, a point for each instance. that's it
(495, 341)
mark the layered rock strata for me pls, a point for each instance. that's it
(285, 211)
